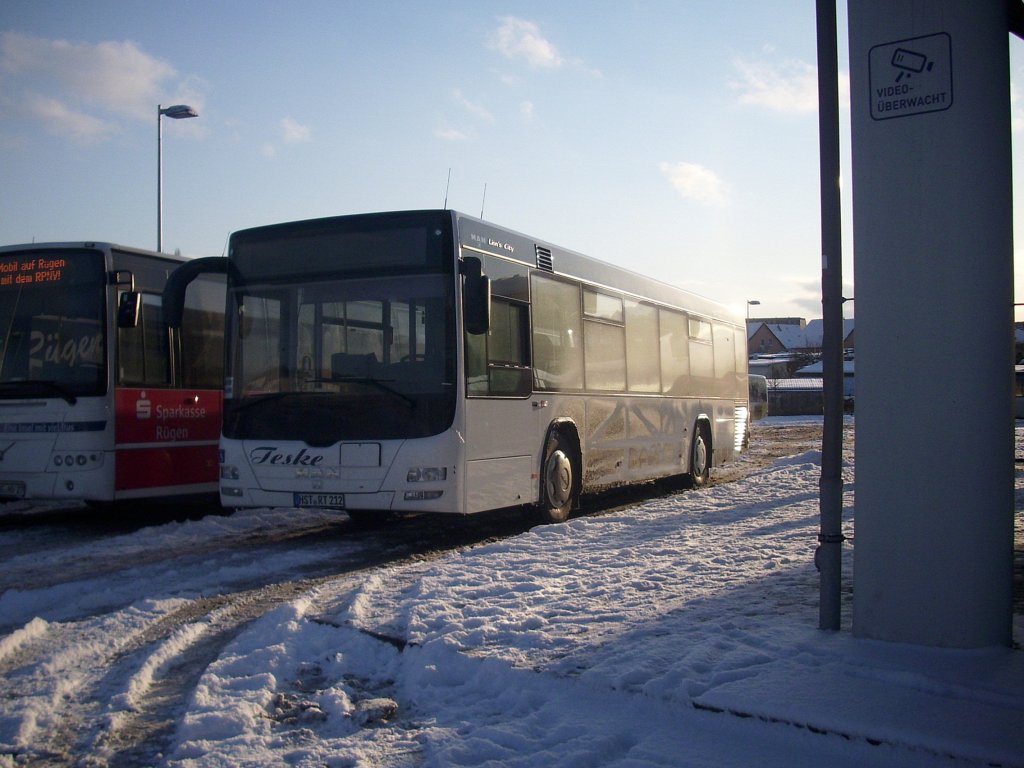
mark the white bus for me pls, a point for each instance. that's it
(430, 361)
(97, 403)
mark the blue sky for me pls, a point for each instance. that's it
(675, 138)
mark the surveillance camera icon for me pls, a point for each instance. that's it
(910, 63)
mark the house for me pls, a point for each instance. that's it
(775, 366)
(796, 397)
(769, 336)
(773, 338)
(815, 331)
(814, 371)
(788, 354)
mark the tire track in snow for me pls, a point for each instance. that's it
(57, 674)
(127, 711)
(141, 720)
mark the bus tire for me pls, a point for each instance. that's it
(558, 481)
(700, 457)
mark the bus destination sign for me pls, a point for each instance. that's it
(31, 271)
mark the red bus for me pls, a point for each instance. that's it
(99, 401)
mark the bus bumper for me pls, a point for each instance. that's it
(384, 501)
(55, 486)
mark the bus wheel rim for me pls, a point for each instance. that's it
(700, 456)
(559, 478)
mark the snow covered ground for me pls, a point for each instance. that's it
(680, 631)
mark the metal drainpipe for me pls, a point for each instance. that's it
(828, 557)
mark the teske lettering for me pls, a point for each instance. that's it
(269, 454)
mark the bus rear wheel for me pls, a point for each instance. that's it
(557, 480)
(700, 457)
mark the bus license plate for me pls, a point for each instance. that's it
(13, 490)
(332, 500)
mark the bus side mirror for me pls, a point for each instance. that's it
(128, 309)
(178, 280)
(476, 297)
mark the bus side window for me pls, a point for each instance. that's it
(604, 347)
(702, 357)
(143, 358)
(497, 363)
(604, 356)
(557, 334)
(202, 334)
(643, 366)
(675, 353)
(476, 364)
(724, 352)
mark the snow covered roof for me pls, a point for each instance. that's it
(805, 383)
(790, 336)
(793, 336)
(816, 369)
(815, 331)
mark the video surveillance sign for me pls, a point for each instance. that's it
(911, 77)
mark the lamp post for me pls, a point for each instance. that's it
(751, 303)
(176, 112)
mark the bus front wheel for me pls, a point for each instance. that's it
(558, 479)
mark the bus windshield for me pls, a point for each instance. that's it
(52, 338)
(343, 359)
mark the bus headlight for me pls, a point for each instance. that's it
(228, 472)
(427, 474)
(79, 460)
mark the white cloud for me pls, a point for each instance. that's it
(475, 109)
(59, 120)
(526, 109)
(788, 86)
(294, 132)
(450, 134)
(695, 182)
(82, 90)
(521, 39)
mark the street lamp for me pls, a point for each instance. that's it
(175, 112)
(752, 303)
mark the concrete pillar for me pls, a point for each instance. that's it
(933, 265)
